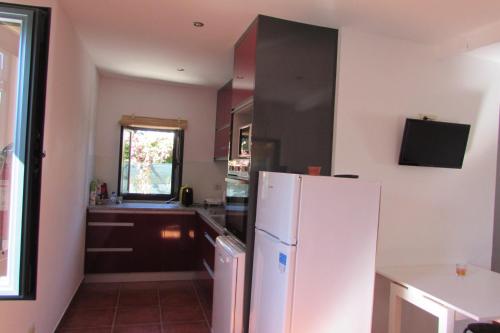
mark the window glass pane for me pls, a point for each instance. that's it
(12, 127)
(147, 157)
(125, 165)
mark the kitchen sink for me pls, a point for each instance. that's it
(216, 211)
(220, 219)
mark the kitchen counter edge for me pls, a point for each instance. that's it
(153, 208)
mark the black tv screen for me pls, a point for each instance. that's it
(434, 144)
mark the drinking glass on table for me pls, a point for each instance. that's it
(461, 269)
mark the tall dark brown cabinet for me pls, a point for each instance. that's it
(223, 122)
(289, 69)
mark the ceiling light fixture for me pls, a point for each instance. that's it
(180, 69)
(198, 24)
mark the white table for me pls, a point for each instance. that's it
(438, 290)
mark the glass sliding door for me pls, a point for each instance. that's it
(11, 168)
(23, 65)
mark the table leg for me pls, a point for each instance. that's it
(395, 305)
(446, 321)
(446, 316)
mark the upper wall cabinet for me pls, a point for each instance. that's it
(244, 66)
(289, 70)
(221, 144)
(223, 122)
(223, 117)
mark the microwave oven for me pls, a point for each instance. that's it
(244, 141)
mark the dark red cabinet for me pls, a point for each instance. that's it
(171, 241)
(221, 145)
(208, 236)
(223, 122)
(244, 66)
(223, 115)
(126, 242)
(141, 242)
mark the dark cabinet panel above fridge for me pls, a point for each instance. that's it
(244, 66)
(288, 70)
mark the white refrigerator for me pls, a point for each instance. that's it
(314, 254)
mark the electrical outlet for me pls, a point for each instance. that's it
(428, 116)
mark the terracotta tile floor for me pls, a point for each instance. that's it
(140, 307)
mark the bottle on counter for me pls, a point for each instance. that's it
(113, 198)
(93, 193)
(104, 191)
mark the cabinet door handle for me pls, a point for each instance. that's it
(110, 224)
(210, 239)
(109, 249)
(207, 267)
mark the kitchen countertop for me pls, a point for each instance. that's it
(213, 216)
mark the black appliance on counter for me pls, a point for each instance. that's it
(186, 197)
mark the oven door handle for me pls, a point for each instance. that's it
(234, 180)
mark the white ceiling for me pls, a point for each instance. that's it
(152, 38)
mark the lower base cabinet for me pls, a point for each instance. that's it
(125, 242)
(208, 235)
(206, 243)
(141, 242)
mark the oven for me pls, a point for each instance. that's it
(237, 190)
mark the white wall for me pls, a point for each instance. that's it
(71, 91)
(126, 96)
(428, 215)
(495, 260)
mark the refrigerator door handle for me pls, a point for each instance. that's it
(276, 238)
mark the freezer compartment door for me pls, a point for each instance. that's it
(278, 204)
(272, 285)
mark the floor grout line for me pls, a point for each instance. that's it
(162, 329)
(200, 304)
(116, 310)
(120, 293)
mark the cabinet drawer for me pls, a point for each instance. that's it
(208, 250)
(119, 217)
(109, 234)
(109, 262)
(207, 246)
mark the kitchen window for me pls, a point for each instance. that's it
(150, 163)
(24, 35)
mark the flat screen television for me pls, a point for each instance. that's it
(434, 144)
